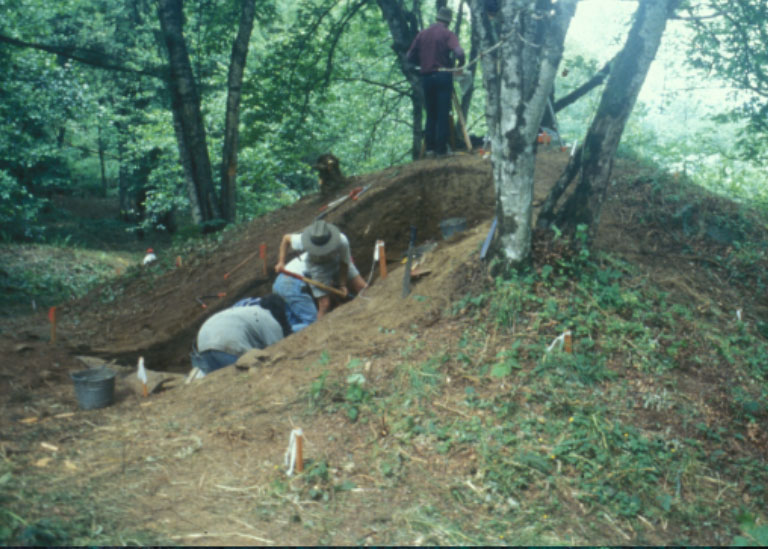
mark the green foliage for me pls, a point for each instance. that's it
(18, 210)
(733, 48)
(753, 534)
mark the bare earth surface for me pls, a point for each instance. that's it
(203, 463)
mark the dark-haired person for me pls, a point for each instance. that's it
(249, 324)
(431, 50)
(328, 260)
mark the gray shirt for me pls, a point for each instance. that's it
(239, 329)
(325, 268)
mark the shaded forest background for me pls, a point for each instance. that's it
(94, 93)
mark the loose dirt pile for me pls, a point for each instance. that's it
(201, 458)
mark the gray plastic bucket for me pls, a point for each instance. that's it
(453, 225)
(94, 388)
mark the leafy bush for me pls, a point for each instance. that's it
(18, 210)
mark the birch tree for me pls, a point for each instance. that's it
(523, 42)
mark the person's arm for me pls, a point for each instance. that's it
(343, 274)
(284, 245)
(458, 51)
(345, 261)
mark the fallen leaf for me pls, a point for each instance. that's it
(65, 414)
(43, 462)
(69, 465)
(29, 420)
(50, 447)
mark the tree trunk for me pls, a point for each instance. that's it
(232, 116)
(102, 163)
(403, 27)
(474, 49)
(185, 104)
(518, 75)
(593, 161)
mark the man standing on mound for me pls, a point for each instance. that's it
(432, 49)
(328, 260)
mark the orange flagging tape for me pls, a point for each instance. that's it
(52, 320)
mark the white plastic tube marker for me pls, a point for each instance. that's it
(294, 459)
(142, 375)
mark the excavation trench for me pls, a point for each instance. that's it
(158, 317)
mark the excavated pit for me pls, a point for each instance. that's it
(157, 315)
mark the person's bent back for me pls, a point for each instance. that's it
(229, 333)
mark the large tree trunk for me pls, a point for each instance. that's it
(474, 50)
(188, 120)
(518, 74)
(232, 116)
(593, 161)
(403, 27)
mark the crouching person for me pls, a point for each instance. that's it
(300, 306)
(328, 261)
(250, 324)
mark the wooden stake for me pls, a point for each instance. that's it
(460, 114)
(382, 259)
(299, 453)
(568, 343)
(178, 261)
(144, 390)
(52, 319)
(263, 256)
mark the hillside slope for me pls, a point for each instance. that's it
(399, 457)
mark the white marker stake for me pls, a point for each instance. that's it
(142, 375)
(293, 455)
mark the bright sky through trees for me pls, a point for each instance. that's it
(600, 28)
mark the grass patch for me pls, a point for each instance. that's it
(602, 432)
(31, 516)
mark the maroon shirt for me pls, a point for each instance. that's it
(432, 46)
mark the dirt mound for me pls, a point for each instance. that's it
(202, 463)
(158, 314)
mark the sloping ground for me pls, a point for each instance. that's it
(203, 463)
(157, 315)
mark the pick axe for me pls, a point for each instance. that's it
(320, 285)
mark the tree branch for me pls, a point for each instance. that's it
(585, 88)
(87, 57)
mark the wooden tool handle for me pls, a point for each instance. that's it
(320, 285)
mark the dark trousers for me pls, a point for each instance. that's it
(212, 360)
(438, 87)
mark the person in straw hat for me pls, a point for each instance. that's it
(431, 50)
(328, 260)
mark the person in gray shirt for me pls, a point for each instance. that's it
(328, 259)
(249, 324)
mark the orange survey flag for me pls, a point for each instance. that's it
(52, 315)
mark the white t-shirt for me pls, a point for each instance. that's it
(325, 268)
